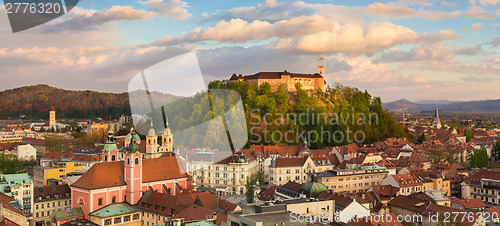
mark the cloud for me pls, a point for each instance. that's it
(495, 42)
(469, 50)
(433, 52)
(311, 35)
(395, 10)
(172, 9)
(385, 10)
(81, 19)
(477, 27)
(271, 11)
(488, 2)
(475, 11)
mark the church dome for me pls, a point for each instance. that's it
(137, 138)
(134, 146)
(313, 188)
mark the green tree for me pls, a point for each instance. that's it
(249, 188)
(10, 164)
(479, 158)
(421, 138)
(56, 144)
(496, 150)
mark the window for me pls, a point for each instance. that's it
(126, 218)
(99, 202)
(113, 158)
(66, 202)
(136, 161)
(107, 222)
(118, 220)
(36, 207)
(59, 203)
(43, 206)
(128, 161)
(136, 216)
(113, 199)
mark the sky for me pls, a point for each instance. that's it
(412, 49)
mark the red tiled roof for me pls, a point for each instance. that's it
(109, 174)
(339, 199)
(385, 192)
(472, 203)
(406, 180)
(195, 212)
(295, 161)
(409, 203)
(268, 194)
(51, 192)
(485, 174)
(5, 200)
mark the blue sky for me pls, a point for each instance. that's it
(418, 49)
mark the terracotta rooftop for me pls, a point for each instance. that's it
(472, 203)
(110, 174)
(51, 192)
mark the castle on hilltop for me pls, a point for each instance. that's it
(309, 82)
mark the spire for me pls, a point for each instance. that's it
(436, 114)
(152, 132)
(110, 136)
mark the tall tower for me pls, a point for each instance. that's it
(133, 172)
(110, 151)
(52, 119)
(167, 139)
(151, 142)
(437, 123)
(321, 70)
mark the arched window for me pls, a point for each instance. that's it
(128, 161)
(149, 141)
(137, 161)
(105, 158)
(107, 222)
(80, 201)
(113, 158)
(118, 220)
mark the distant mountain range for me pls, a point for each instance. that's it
(480, 106)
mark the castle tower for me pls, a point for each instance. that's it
(52, 119)
(167, 139)
(151, 142)
(133, 172)
(321, 70)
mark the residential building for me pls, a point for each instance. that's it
(10, 214)
(432, 180)
(353, 180)
(51, 172)
(117, 214)
(474, 205)
(484, 185)
(346, 207)
(296, 169)
(48, 199)
(231, 173)
(159, 208)
(434, 196)
(25, 152)
(407, 183)
(63, 216)
(382, 194)
(20, 187)
(284, 212)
